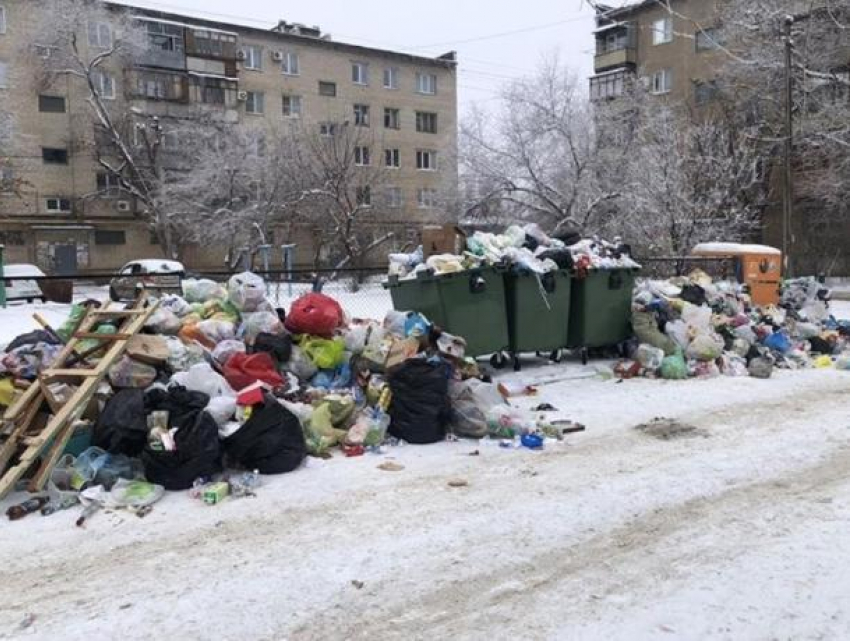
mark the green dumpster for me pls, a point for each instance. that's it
(469, 304)
(538, 308)
(601, 308)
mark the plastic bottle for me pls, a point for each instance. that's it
(29, 506)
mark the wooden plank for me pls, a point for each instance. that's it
(52, 401)
(49, 374)
(118, 312)
(38, 481)
(72, 410)
(20, 405)
(103, 337)
(7, 450)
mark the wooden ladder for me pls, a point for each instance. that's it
(50, 442)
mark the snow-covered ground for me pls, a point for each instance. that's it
(736, 533)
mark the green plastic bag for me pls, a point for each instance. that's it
(674, 368)
(320, 433)
(325, 354)
(67, 329)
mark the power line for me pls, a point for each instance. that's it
(502, 34)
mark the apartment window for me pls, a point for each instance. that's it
(392, 158)
(662, 31)
(51, 104)
(7, 178)
(361, 115)
(327, 89)
(2, 20)
(53, 156)
(359, 73)
(426, 198)
(426, 83)
(104, 85)
(327, 129)
(426, 160)
(214, 43)
(10, 238)
(362, 156)
(391, 78)
(364, 196)
(107, 182)
(100, 35)
(291, 66)
(161, 86)
(292, 106)
(394, 197)
(212, 91)
(57, 205)
(392, 118)
(165, 37)
(708, 39)
(109, 237)
(705, 92)
(253, 57)
(426, 122)
(613, 40)
(255, 103)
(4, 75)
(608, 85)
(662, 81)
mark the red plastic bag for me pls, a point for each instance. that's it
(314, 314)
(242, 370)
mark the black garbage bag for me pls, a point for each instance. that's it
(271, 441)
(420, 410)
(181, 404)
(563, 257)
(32, 338)
(279, 346)
(821, 346)
(197, 454)
(693, 294)
(122, 427)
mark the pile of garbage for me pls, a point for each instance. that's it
(222, 387)
(527, 248)
(693, 326)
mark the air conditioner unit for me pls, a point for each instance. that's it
(277, 56)
(123, 206)
(242, 96)
(241, 55)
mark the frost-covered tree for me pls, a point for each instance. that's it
(535, 155)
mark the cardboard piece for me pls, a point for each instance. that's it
(442, 239)
(151, 350)
(400, 350)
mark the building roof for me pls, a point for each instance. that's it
(612, 13)
(447, 60)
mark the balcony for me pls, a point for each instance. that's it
(622, 57)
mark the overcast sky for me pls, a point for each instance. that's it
(477, 29)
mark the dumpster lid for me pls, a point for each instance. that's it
(734, 249)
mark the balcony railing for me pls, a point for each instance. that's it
(617, 58)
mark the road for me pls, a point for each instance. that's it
(735, 532)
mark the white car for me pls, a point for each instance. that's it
(27, 290)
(156, 275)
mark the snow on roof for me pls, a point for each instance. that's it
(185, 25)
(157, 265)
(608, 27)
(22, 270)
(734, 248)
(212, 75)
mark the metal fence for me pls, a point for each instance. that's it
(670, 266)
(359, 291)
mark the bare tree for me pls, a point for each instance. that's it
(342, 180)
(537, 154)
(91, 44)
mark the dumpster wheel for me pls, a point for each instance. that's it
(517, 364)
(556, 356)
(585, 355)
(499, 360)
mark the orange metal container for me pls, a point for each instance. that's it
(757, 266)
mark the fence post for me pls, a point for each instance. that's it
(2, 280)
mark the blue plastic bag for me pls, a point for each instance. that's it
(778, 342)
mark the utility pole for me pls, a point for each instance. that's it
(787, 186)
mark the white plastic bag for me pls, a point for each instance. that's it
(649, 357)
(163, 321)
(176, 304)
(705, 347)
(227, 348)
(203, 378)
(246, 291)
(222, 409)
(301, 365)
(257, 323)
(217, 330)
(471, 401)
(202, 290)
(678, 331)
